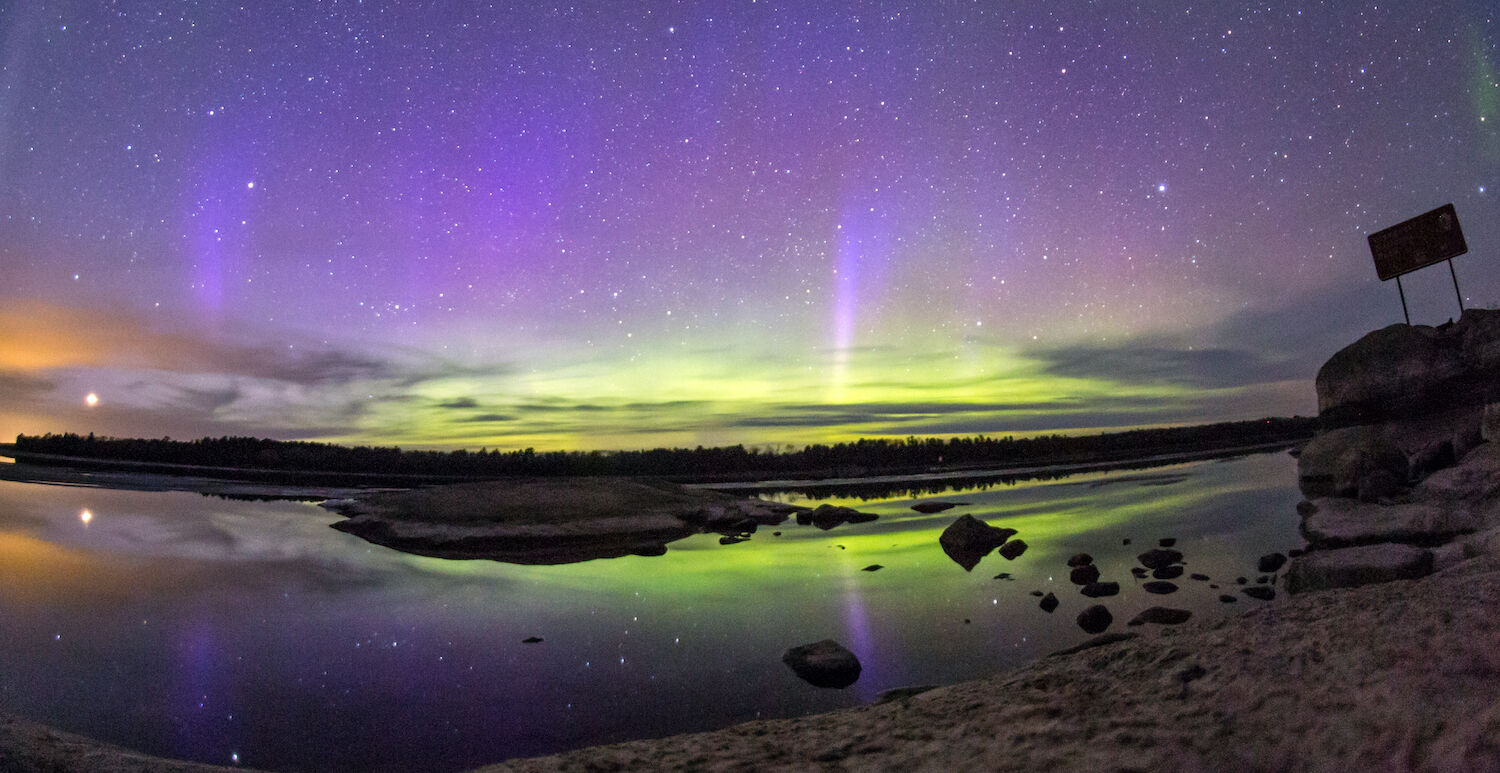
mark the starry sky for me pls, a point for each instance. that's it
(631, 224)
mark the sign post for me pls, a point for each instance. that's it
(1426, 239)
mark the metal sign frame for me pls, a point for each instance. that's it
(1431, 237)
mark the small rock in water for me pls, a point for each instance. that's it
(1198, 577)
(1161, 616)
(1214, 585)
(1095, 619)
(872, 568)
(1160, 587)
(531, 640)
(823, 664)
(1079, 559)
(1013, 549)
(1167, 542)
(732, 540)
(1139, 572)
(1097, 589)
(775, 534)
(1037, 593)
(1295, 552)
(1003, 576)
(1126, 541)
(1271, 562)
(1167, 572)
(1156, 558)
(1083, 575)
(840, 547)
(969, 539)
(1049, 603)
(932, 507)
(966, 621)
(1306, 508)
(1262, 592)
(1262, 580)
(1227, 599)
(1241, 580)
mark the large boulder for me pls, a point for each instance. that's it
(1333, 463)
(1403, 371)
(1343, 522)
(823, 664)
(969, 539)
(1362, 565)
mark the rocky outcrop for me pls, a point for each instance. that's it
(1403, 371)
(823, 664)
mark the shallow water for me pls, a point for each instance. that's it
(216, 630)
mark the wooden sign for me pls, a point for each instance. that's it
(1426, 239)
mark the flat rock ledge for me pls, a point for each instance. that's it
(555, 520)
(1347, 679)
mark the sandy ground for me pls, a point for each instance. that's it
(1399, 676)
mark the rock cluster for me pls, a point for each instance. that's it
(1405, 479)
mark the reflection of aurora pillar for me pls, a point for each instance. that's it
(857, 628)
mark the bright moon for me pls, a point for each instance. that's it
(92, 400)
(85, 516)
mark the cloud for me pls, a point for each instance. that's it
(1145, 362)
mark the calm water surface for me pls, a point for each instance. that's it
(223, 631)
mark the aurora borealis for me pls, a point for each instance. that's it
(622, 225)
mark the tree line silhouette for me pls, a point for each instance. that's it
(861, 457)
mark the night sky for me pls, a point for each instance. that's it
(622, 225)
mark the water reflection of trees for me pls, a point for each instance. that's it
(917, 489)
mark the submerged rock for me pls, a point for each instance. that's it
(1227, 599)
(1160, 587)
(826, 516)
(1271, 562)
(1161, 616)
(1098, 589)
(1167, 542)
(1095, 619)
(1171, 572)
(1198, 577)
(1083, 575)
(1262, 592)
(823, 664)
(933, 507)
(969, 539)
(1080, 559)
(1156, 558)
(1049, 603)
(1361, 565)
(1013, 549)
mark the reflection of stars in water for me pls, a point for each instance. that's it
(86, 517)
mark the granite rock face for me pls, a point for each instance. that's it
(1362, 565)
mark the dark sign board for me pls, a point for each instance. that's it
(1426, 239)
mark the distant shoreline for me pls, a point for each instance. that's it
(289, 463)
(312, 485)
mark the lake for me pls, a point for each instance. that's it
(233, 631)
